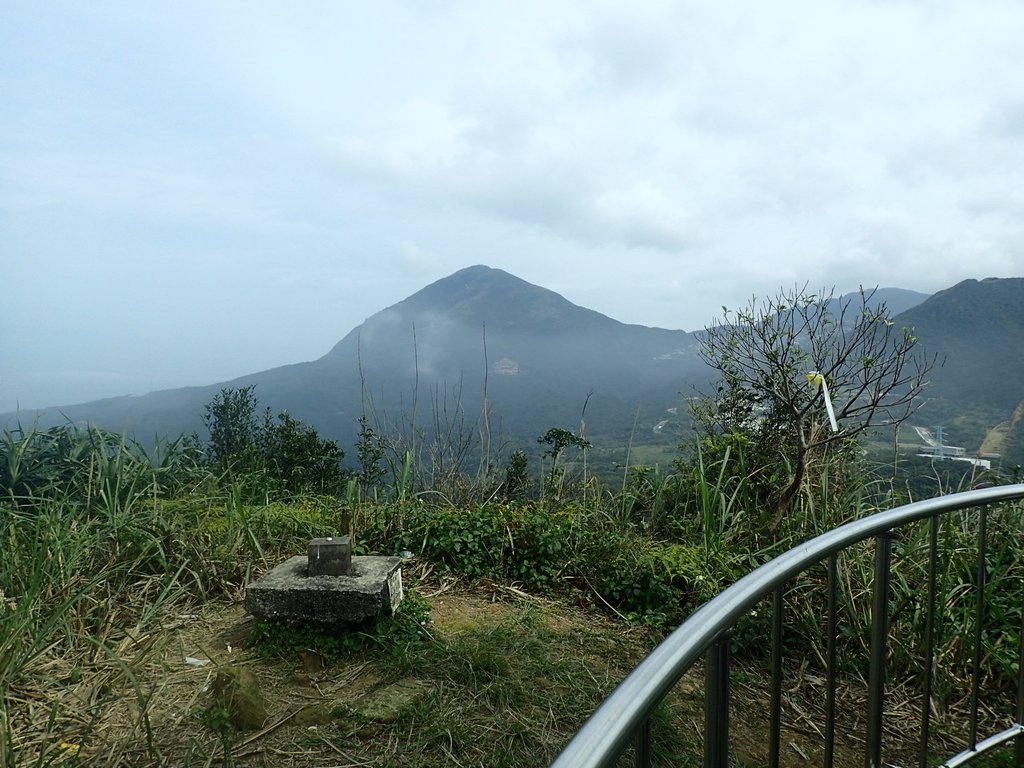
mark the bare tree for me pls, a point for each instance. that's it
(770, 355)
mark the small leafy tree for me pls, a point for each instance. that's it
(231, 421)
(768, 405)
(298, 459)
(517, 476)
(557, 441)
(370, 451)
(291, 455)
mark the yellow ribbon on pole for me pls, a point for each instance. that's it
(818, 380)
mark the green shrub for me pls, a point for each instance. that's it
(282, 457)
(550, 549)
(657, 583)
(390, 635)
(522, 542)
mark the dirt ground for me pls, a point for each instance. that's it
(309, 705)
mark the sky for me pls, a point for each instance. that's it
(193, 191)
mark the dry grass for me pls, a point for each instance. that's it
(506, 679)
(107, 597)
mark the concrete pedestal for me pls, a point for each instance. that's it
(372, 588)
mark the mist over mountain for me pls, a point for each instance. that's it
(481, 332)
(482, 337)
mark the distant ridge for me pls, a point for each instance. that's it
(539, 358)
(899, 300)
(977, 329)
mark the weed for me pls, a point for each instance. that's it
(389, 636)
(102, 542)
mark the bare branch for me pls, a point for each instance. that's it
(874, 370)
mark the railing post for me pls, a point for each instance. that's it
(716, 704)
(643, 744)
(879, 636)
(830, 662)
(775, 731)
(1019, 748)
(979, 621)
(929, 643)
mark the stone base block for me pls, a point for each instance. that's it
(372, 588)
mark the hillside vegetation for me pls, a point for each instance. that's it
(120, 567)
(976, 327)
(124, 564)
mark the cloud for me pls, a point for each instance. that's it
(646, 215)
(653, 160)
(420, 141)
(655, 127)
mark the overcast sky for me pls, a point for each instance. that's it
(192, 191)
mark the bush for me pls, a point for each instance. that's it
(526, 543)
(563, 549)
(282, 457)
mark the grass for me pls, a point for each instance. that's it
(510, 691)
(110, 554)
(498, 683)
(96, 557)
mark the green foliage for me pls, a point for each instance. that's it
(514, 542)
(643, 499)
(924, 477)
(281, 457)
(94, 466)
(473, 540)
(298, 460)
(96, 557)
(517, 477)
(777, 359)
(389, 636)
(557, 441)
(658, 583)
(958, 565)
(735, 445)
(550, 550)
(231, 421)
(217, 718)
(371, 453)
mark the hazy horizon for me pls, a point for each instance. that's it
(193, 193)
(174, 384)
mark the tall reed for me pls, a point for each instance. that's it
(96, 556)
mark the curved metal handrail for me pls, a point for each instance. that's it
(608, 732)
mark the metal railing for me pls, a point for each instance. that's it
(624, 718)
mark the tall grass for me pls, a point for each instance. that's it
(96, 556)
(102, 540)
(667, 541)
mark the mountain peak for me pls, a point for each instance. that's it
(469, 282)
(482, 295)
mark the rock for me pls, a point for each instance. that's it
(236, 692)
(386, 704)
